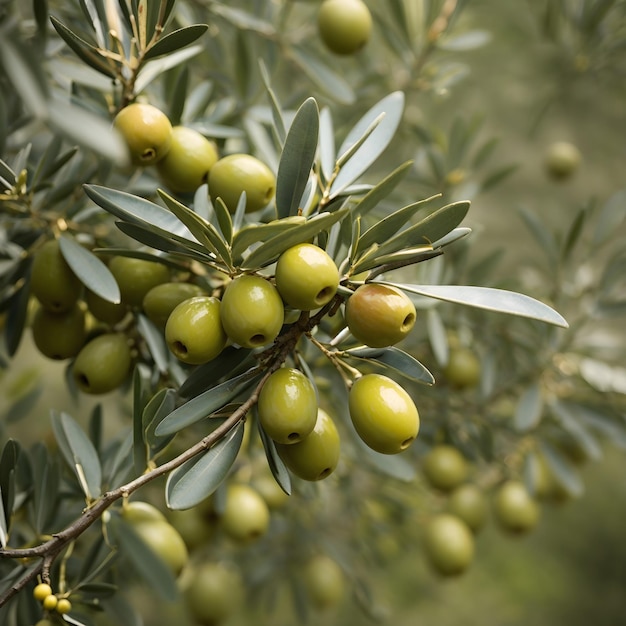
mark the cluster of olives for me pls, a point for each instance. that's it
(185, 159)
(449, 535)
(50, 602)
(344, 26)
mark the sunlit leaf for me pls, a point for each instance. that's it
(175, 40)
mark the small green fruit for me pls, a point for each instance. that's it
(270, 490)
(136, 277)
(379, 315)
(315, 457)
(52, 281)
(345, 26)
(165, 541)
(59, 336)
(50, 603)
(252, 311)
(42, 591)
(192, 526)
(103, 310)
(63, 606)
(194, 331)
(468, 502)
(445, 467)
(449, 544)
(235, 173)
(161, 300)
(306, 277)
(137, 512)
(325, 581)
(383, 414)
(214, 592)
(562, 160)
(287, 406)
(514, 508)
(187, 164)
(146, 130)
(246, 516)
(103, 363)
(463, 369)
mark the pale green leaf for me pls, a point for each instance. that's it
(529, 409)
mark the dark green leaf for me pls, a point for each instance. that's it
(529, 409)
(91, 271)
(224, 220)
(491, 299)
(16, 319)
(45, 487)
(160, 405)
(196, 479)
(380, 191)
(8, 464)
(175, 40)
(573, 234)
(141, 394)
(297, 159)
(276, 464)
(395, 359)
(206, 403)
(78, 452)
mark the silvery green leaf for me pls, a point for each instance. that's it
(381, 190)
(529, 408)
(175, 40)
(153, 69)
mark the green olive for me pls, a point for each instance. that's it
(52, 281)
(445, 467)
(306, 277)
(379, 315)
(463, 369)
(192, 526)
(63, 606)
(136, 277)
(270, 490)
(562, 160)
(214, 592)
(514, 508)
(252, 311)
(316, 456)
(324, 581)
(194, 331)
(236, 173)
(103, 310)
(146, 130)
(345, 26)
(246, 516)
(383, 413)
(468, 502)
(138, 512)
(187, 164)
(161, 300)
(103, 363)
(287, 406)
(165, 541)
(449, 544)
(42, 591)
(59, 335)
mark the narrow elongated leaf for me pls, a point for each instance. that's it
(562, 470)
(91, 271)
(160, 405)
(392, 106)
(45, 496)
(206, 403)
(256, 233)
(381, 190)
(276, 464)
(612, 214)
(4, 524)
(196, 479)
(395, 359)
(326, 143)
(79, 453)
(153, 69)
(8, 464)
(175, 40)
(540, 232)
(297, 158)
(155, 341)
(269, 251)
(571, 417)
(491, 299)
(529, 408)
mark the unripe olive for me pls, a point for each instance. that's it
(42, 591)
(449, 544)
(246, 516)
(59, 335)
(379, 315)
(52, 281)
(562, 160)
(192, 526)
(270, 491)
(103, 363)
(383, 413)
(103, 310)
(235, 173)
(63, 606)
(514, 508)
(306, 277)
(287, 406)
(161, 300)
(463, 369)
(146, 130)
(445, 467)
(187, 164)
(165, 541)
(252, 311)
(136, 277)
(194, 331)
(324, 581)
(50, 603)
(468, 502)
(138, 512)
(344, 25)
(214, 592)
(316, 456)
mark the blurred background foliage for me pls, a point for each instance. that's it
(511, 78)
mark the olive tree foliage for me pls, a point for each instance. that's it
(253, 77)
